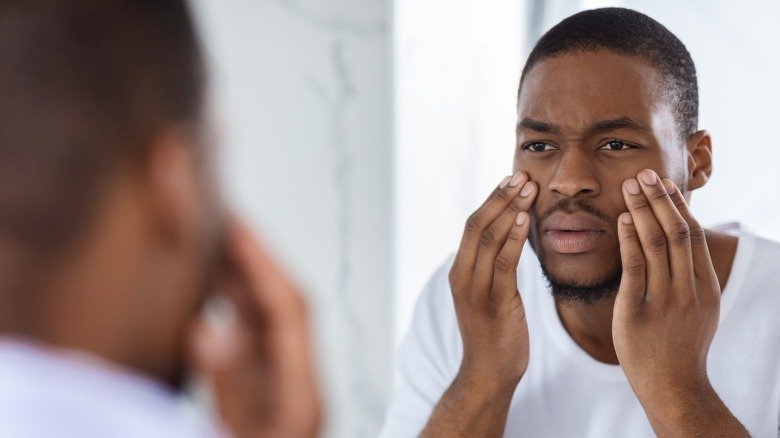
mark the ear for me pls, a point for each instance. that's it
(173, 184)
(699, 158)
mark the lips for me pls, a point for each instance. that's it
(573, 233)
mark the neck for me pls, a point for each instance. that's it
(590, 326)
(103, 294)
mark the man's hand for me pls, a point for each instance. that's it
(258, 363)
(483, 280)
(666, 311)
(490, 315)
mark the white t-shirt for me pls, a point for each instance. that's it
(55, 393)
(567, 393)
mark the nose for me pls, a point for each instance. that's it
(575, 175)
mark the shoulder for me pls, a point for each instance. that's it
(427, 358)
(437, 290)
(753, 285)
(758, 257)
(752, 257)
(765, 248)
(81, 396)
(434, 318)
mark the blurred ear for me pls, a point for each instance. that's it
(699, 156)
(174, 186)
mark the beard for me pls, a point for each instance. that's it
(588, 292)
(586, 288)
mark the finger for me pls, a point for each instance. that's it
(505, 267)
(702, 261)
(215, 348)
(485, 215)
(495, 236)
(217, 339)
(674, 226)
(281, 309)
(633, 282)
(651, 236)
(284, 347)
(223, 357)
(271, 293)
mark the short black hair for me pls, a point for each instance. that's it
(85, 85)
(631, 33)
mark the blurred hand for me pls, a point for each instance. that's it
(258, 363)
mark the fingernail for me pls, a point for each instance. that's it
(671, 188)
(632, 186)
(626, 218)
(648, 177)
(520, 219)
(504, 182)
(216, 347)
(516, 179)
(527, 189)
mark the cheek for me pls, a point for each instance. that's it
(612, 192)
(517, 164)
(538, 171)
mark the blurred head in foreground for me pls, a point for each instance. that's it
(110, 220)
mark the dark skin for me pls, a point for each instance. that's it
(130, 291)
(594, 127)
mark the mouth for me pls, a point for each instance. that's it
(573, 233)
(573, 241)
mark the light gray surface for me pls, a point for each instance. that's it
(302, 88)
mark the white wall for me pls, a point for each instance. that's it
(457, 63)
(304, 93)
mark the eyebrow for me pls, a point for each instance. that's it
(593, 128)
(536, 125)
(619, 123)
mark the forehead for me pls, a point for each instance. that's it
(574, 89)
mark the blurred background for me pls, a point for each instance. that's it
(359, 134)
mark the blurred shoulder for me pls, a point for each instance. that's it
(755, 269)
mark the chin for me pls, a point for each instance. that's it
(590, 278)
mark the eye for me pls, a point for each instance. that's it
(538, 146)
(616, 145)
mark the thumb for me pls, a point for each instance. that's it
(217, 350)
(215, 338)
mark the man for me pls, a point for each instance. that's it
(654, 326)
(112, 236)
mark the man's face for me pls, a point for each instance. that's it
(586, 122)
(195, 258)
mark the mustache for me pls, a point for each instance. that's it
(573, 205)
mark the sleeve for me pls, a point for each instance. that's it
(427, 359)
